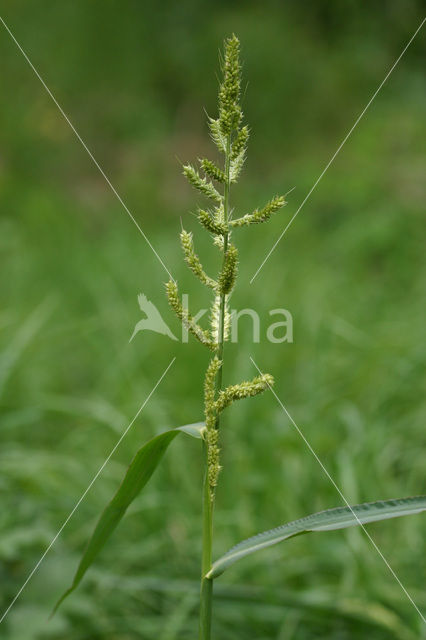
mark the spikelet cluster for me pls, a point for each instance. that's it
(212, 434)
(209, 382)
(215, 319)
(230, 113)
(260, 215)
(238, 153)
(212, 170)
(185, 317)
(230, 137)
(240, 142)
(228, 274)
(203, 185)
(213, 458)
(243, 390)
(216, 134)
(211, 224)
(193, 261)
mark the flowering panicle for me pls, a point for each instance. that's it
(231, 137)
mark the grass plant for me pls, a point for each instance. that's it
(219, 219)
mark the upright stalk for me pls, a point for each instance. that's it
(206, 558)
(230, 137)
(206, 596)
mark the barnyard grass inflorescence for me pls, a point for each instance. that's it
(230, 137)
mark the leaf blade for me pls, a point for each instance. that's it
(138, 474)
(331, 519)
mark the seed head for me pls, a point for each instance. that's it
(193, 261)
(201, 184)
(243, 390)
(213, 463)
(215, 227)
(229, 270)
(209, 384)
(240, 142)
(215, 319)
(260, 215)
(185, 317)
(230, 113)
(212, 170)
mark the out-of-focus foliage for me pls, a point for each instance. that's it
(132, 77)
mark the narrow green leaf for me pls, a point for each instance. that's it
(139, 472)
(339, 518)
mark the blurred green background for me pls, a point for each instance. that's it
(134, 78)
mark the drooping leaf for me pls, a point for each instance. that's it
(139, 472)
(339, 518)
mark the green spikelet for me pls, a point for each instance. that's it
(219, 215)
(243, 390)
(219, 242)
(229, 271)
(212, 434)
(215, 319)
(212, 170)
(213, 459)
(201, 184)
(236, 166)
(217, 228)
(185, 317)
(240, 142)
(209, 392)
(230, 113)
(238, 153)
(209, 383)
(193, 261)
(216, 134)
(260, 215)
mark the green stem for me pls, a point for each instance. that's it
(206, 596)
(206, 584)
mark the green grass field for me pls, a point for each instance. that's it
(134, 79)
